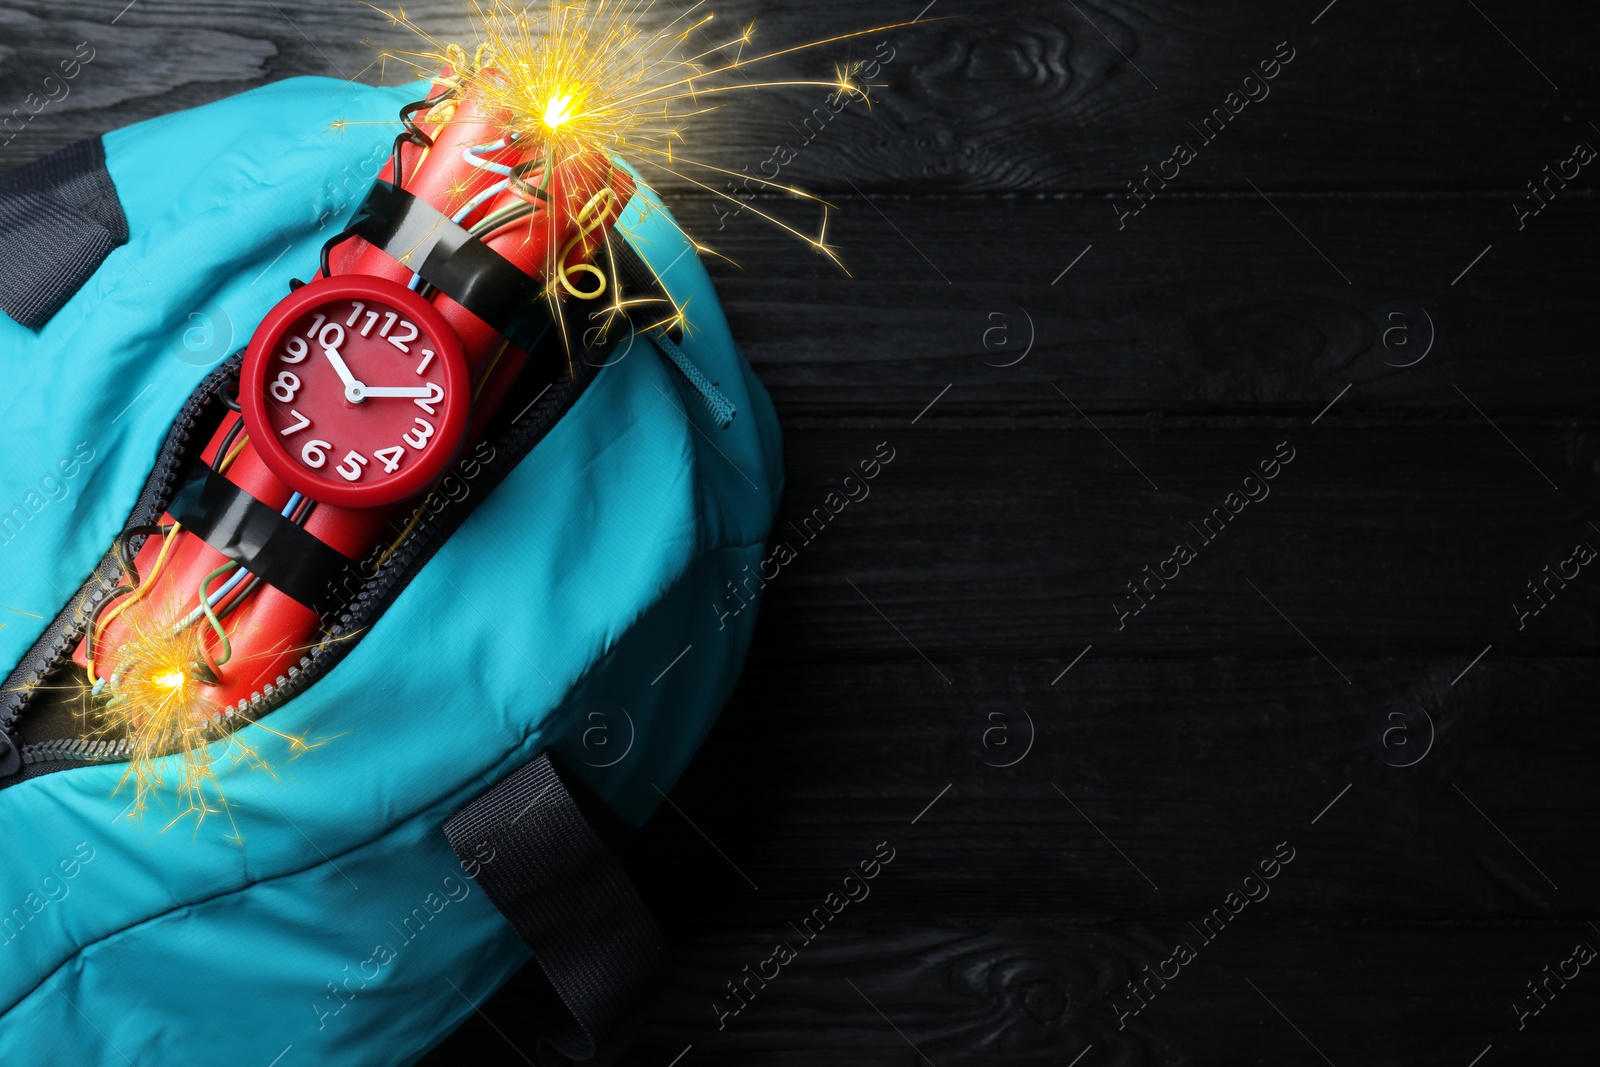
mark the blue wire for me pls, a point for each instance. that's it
(493, 190)
(238, 576)
(470, 155)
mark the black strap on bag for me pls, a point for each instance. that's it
(569, 900)
(59, 219)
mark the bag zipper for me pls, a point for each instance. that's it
(200, 415)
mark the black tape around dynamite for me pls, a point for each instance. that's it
(259, 539)
(450, 259)
(474, 275)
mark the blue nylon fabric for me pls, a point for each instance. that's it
(616, 536)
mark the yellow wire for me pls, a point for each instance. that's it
(144, 587)
(233, 454)
(591, 217)
(494, 361)
(398, 541)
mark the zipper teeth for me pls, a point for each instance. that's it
(400, 564)
(287, 685)
(73, 748)
(63, 631)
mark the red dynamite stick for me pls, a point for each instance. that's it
(271, 631)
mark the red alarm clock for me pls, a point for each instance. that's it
(355, 392)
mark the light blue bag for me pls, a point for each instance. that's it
(574, 613)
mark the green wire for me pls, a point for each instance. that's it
(211, 616)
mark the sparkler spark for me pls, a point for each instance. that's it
(158, 700)
(595, 80)
(571, 84)
(151, 699)
(559, 110)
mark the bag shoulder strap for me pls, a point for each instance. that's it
(568, 899)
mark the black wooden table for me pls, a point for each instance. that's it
(1196, 655)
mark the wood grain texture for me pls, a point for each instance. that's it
(1043, 994)
(1362, 617)
(986, 546)
(1193, 791)
(983, 96)
(1195, 307)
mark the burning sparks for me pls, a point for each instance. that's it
(594, 79)
(157, 701)
(152, 701)
(558, 110)
(570, 84)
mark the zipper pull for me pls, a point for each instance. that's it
(10, 755)
(721, 408)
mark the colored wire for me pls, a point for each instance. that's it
(227, 461)
(223, 590)
(520, 184)
(245, 594)
(125, 545)
(473, 154)
(591, 217)
(233, 582)
(472, 205)
(227, 443)
(490, 224)
(412, 134)
(97, 625)
(216, 624)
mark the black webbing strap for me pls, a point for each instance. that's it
(261, 540)
(567, 898)
(59, 219)
(453, 261)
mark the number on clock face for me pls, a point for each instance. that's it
(356, 389)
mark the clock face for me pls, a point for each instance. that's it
(355, 392)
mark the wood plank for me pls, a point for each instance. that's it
(1197, 306)
(1142, 773)
(864, 994)
(980, 97)
(988, 546)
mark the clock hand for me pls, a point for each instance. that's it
(354, 390)
(405, 391)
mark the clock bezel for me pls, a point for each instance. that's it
(451, 428)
